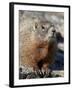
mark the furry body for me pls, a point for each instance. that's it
(38, 45)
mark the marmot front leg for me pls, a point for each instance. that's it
(36, 70)
(45, 69)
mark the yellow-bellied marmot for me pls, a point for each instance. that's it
(38, 44)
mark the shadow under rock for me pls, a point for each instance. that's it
(59, 61)
(60, 39)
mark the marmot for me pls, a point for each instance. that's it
(38, 44)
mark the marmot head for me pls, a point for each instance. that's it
(45, 31)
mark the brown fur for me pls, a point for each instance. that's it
(36, 53)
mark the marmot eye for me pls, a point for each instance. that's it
(43, 27)
(35, 26)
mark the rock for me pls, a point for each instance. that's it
(58, 73)
(32, 75)
(22, 76)
(51, 74)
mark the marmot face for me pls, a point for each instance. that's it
(45, 31)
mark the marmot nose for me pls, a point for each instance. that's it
(53, 31)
